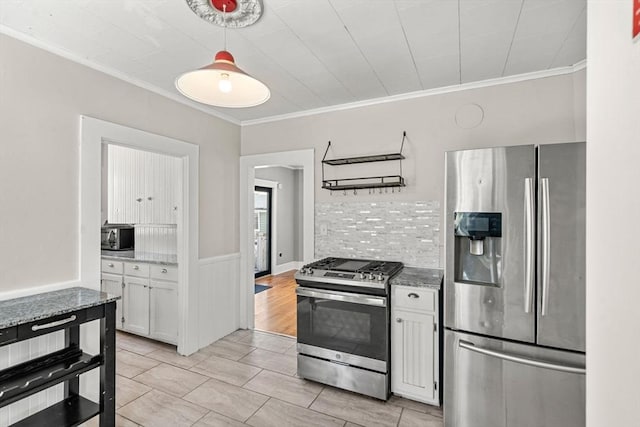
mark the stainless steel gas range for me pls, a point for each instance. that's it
(343, 323)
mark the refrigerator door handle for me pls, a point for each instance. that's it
(523, 360)
(529, 215)
(545, 242)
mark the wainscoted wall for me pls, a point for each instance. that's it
(219, 297)
(156, 239)
(396, 231)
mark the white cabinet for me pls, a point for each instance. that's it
(149, 304)
(136, 305)
(163, 315)
(414, 344)
(112, 284)
(142, 187)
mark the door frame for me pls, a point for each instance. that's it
(273, 185)
(269, 192)
(93, 132)
(297, 158)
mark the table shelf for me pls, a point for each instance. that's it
(71, 412)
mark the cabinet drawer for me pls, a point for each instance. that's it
(164, 272)
(111, 266)
(414, 298)
(51, 324)
(8, 335)
(138, 269)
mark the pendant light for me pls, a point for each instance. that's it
(223, 83)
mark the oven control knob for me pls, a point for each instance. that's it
(363, 276)
(371, 276)
(309, 270)
(380, 277)
(303, 270)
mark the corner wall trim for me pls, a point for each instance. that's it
(219, 258)
(424, 93)
(18, 293)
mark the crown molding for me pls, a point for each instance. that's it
(33, 41)
(424, 93)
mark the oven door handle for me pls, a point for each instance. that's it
(342, 296)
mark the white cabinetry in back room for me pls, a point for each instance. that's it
(414, 344)
(149, 304)
(142, 187)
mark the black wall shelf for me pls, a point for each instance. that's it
(367, 182)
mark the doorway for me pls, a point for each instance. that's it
(262, 234)
(94, 133)
(303, 162)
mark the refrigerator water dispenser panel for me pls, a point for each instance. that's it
(477, 226)
(478, 247)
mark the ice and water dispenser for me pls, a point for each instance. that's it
(478, 247)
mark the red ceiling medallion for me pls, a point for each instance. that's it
(220, 4)
(239, 13)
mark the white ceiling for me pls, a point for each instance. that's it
(315, 53)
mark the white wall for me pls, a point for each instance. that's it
(613, 199)
(42, 98)
(546, 110)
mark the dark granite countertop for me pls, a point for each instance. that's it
(27, 309)
(419, 277)
(147, 257)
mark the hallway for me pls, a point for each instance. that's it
(275, 308)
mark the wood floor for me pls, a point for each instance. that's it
(275, 308)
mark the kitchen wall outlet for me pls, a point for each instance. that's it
(324, 229)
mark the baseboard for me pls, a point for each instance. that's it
(293, 265)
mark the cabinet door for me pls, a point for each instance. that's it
(161, 188)
(136, 305)
(164, 311)
(112, 284)
(124, 185)
(413, 355)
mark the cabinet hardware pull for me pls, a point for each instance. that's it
(110, 264)
(164, 270)
(139, 199)
(413, 295)
(53, 324)
(135, 267)
(399, 320)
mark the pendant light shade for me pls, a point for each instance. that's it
(223, 84)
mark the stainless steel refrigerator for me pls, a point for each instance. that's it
(515, 287)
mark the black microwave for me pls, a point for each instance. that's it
(117, 237)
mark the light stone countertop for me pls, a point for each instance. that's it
(419, 277)
(27, 309)
(147, 257)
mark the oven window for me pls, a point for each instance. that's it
(343, 326)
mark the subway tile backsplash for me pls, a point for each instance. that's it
(394, 231)
(156, 239)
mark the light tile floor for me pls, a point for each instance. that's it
(246, 378)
